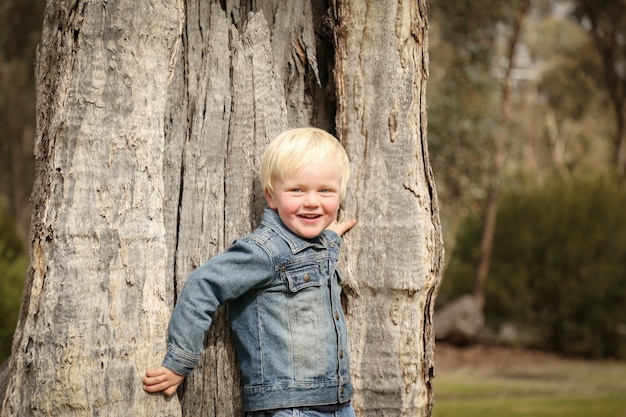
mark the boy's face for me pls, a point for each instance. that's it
(307, 202)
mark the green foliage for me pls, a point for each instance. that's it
(20, 30)
(558, 265)
(463, 99)
(13, 263)
(468, 48)
(572, 77)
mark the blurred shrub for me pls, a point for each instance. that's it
(13, 263)
(559, 265)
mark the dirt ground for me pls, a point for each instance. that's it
(491, 358)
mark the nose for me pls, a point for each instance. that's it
(311, 200)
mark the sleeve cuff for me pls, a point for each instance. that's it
(179, 361)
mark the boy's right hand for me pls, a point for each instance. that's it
(162, 379)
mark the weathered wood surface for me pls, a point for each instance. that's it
(97, 294)
(151, 122)
(394, 257)
(234, 106)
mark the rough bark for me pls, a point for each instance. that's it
(4, 379)
(232, 106)
(147, 156)
(97, 296)
(394, 256)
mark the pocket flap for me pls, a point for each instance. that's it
(303, 277)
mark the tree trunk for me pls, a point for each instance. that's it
(151, 122)
(501, 145)
(394, 257)
(228, 102)
(606, 26)
(98, 295)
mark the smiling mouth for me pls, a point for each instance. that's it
(310, 216)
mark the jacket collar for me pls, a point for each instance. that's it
(295, 242)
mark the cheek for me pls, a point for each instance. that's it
(331, 205)
(289, 205)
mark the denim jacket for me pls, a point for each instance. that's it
(288, 326)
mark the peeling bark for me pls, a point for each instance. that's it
(394, 258)
(151, 122)
(95, 304)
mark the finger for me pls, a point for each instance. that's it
(155, 372)
(171, 390)
(343, 227)
(151, 381)
(154, 387)
(159, 382)
(349, 224)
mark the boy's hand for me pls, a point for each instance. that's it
(342, 227)
(162, 379)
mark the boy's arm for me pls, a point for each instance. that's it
(162, 379)
(226, 276)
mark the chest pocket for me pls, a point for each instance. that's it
(304, 290)
(303, 277)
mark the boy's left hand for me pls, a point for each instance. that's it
(342, 227)
(162, 379)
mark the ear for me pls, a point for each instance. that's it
(270, 199)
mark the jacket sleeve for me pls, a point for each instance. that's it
(243, 267)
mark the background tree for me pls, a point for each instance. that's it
(561, 126)
(571, 115)
(481, 84)
(20, 30)
(606, 22)
(150, 121)
(501, 141)
(13, 261)
(471, 76)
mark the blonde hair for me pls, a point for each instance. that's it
(295, 148)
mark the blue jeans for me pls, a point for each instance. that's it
(299, 412)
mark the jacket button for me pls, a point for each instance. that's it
(307, 278)
(341, 390)
(341, 354)
(336, 316)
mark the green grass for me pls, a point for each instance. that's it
(608, 405)
(572, 389)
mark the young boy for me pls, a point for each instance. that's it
(283, 289)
